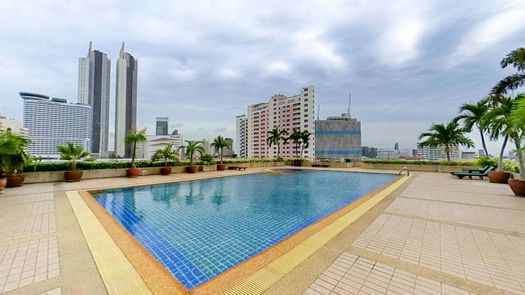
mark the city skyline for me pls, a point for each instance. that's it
(407, 69)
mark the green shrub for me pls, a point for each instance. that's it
(207, 159)
(511, 166)
(485, 161)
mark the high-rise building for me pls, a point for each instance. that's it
(161, 127)
(53, 121)
(438, 153)
(369, 152)
(287, 113)
(338, 138)
(93, 89)
(13, 125)
(242, 136)
(126, 101)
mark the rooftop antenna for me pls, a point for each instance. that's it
(349, 101)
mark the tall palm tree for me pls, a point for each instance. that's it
(445, 135)
(500, 124)
(516, 59)
(133, 138)
(275, 136)
(192, 147)
(305, 141)
(220, 144)
(296, 138)
(473, 114)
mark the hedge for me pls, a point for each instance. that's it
(409, 162)
(64, 165)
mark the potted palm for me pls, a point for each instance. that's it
(13, 157)
(192, 147)
(220, 144)
(166, 155)
(133, 138)
(518, 119)
(73, 154)
(499, 123)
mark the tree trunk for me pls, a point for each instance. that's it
(221, 156)
(278, 150)
(447, 150)
(521, 162)
(133, 154)
(500, 163)
(483, 142)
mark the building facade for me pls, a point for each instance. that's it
(13, 125)
(161, 126)
(156, 142)
(338, 138)
(93, 89)
(126, 101)
(53, 121)
(286, 113)
(242, 136)
(438, 153)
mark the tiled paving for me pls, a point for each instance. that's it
(57, 291)
(351, 274)
(470, 231)
(28, 243)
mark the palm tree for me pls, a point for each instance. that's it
(132, 138)
(515, 58)
(445, 135)
(275, 136)
(73, 154)
(500, 123)
(473, 114)
(296, 137)
(518, 118)
(13, 152)
(165, 154)
(219, 144)
(305, 141)
(192, 147)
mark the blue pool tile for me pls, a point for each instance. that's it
(199, 229)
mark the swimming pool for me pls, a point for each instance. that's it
(199, 229)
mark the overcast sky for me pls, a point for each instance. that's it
(408, 64)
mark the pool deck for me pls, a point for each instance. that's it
(433, 235)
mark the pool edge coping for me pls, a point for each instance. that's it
(263, 279)
(265, 274)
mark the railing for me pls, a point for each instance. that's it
(404, 169)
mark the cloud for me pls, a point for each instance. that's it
(407, 63)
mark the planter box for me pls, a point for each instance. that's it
(53, 176)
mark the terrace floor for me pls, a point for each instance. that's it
(434, 235)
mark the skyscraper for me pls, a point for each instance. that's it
(126, 101)
(51, 121)
(161, 127)
(286, 113)
(338, 138)
(93, 89)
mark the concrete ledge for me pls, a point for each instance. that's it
(423, 168)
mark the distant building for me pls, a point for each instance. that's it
(126, 101)
(13, 125)
(396, 146)
(468, 155)
(385, 154)
(414, 152)
(287, 113)
(338, 138)
(369, 152)
(94, 72)
(53, 121)
(156, 142)
(481, 153)
(242, 136)
(161, 127)
(438, 153)
(207, 146)
(228, 151)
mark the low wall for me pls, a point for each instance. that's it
(424, 168)
(52, 176)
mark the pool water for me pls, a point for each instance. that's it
(199, 229)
